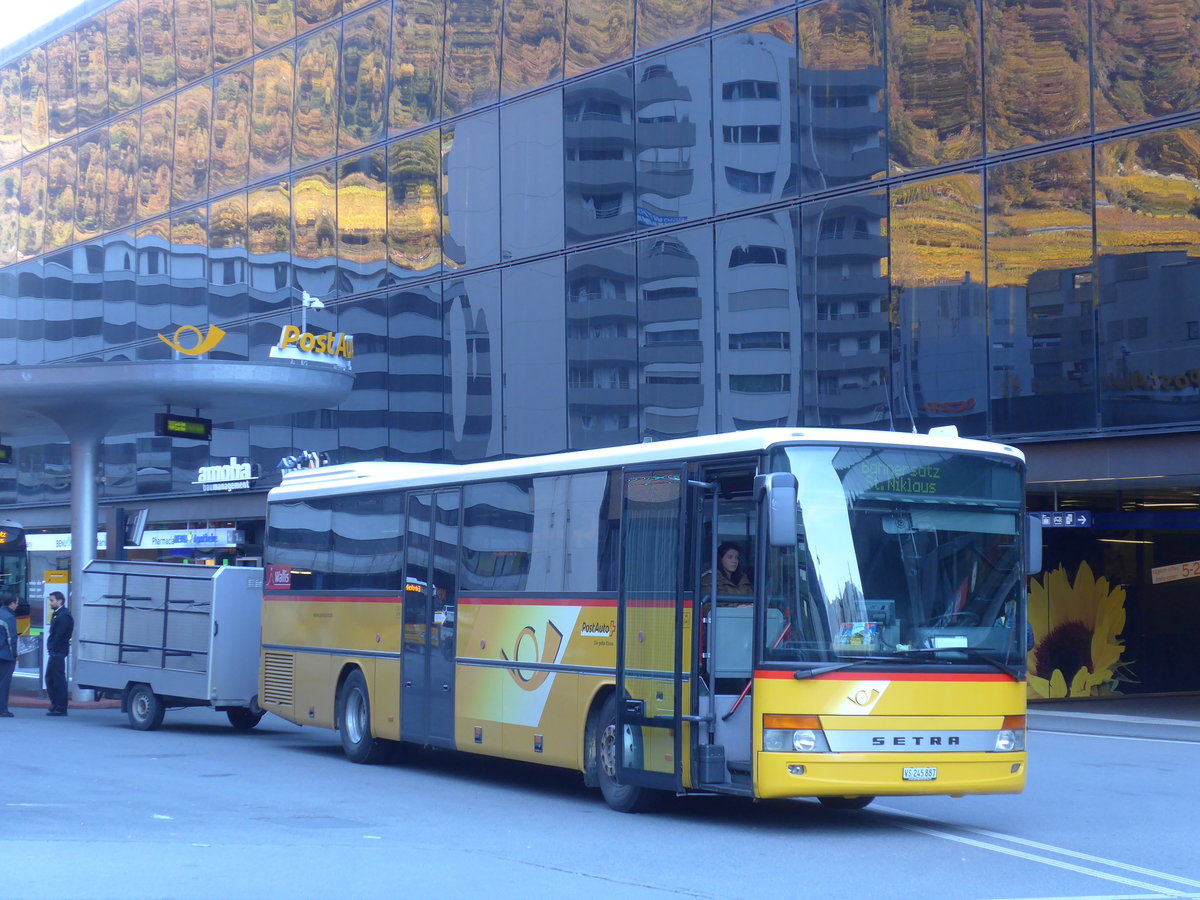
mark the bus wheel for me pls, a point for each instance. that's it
(846, 802)
(145, 707)
(621, 797)
(354, 721)
(243, 718)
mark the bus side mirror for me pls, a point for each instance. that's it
(1033, 545)
(780, 500)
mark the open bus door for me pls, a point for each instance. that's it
(653, 692)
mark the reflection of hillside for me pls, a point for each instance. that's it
(937, 231)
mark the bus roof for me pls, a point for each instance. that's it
(368, 476)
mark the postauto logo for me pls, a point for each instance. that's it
(204, 341)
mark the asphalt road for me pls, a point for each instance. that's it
(93, 809)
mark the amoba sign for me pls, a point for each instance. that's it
(232, 476)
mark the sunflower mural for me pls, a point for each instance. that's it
(1078, 653)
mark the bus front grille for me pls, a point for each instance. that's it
(279, 670)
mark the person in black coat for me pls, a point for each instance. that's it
(8, 649)
(58, 646)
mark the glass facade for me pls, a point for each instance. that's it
(573, 224)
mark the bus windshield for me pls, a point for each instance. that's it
(902, 555)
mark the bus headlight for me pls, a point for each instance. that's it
(1011, 736)
(794, 734)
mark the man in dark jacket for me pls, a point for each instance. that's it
(58, 646)
(8, 649)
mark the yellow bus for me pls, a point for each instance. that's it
(864, 634)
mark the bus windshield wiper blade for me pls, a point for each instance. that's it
(801, 674)
(971, 653)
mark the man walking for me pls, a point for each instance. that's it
(58, 646)
(8, 649)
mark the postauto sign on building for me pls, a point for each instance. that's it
(572, 230)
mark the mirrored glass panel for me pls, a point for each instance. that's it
(315, 124)
(61, 87)
(413, 218)
(87, 301)
(89, 189)
(474, 367)
(31, 315)
(363, 78)
(1037, 71)
(531, 175)
(313, 13)
(269, 235)
(124, 166)
(935, 107)
(471, 191)
(193, 39)
(676, 336)
(1040, 294)
(598, 32)
(938, 369)
(598, 145)
(314, 232)
(60, 196)
(416, 69)
(91, 67)
(271, 115)
(663, 21)
(472, 56)
(757, 338)
(153, 312)
(847, 353)
(726, 11)
(1147, 59)
(58, 326)
(602, 347)
(230, 128)
(535, 358)
(228, 261)
(124, 72)
(842, 112)
(533, 44)
(189, 267)
(193, 118)
(33, 207)
(274, 22)
(362, 220)
(10, 113)
(233, 33)
(416, 373)
(10, 214)
(156, 47)
(154, 169)
(362, 418)
(35, 123)
(673, 103)
(1148, 246)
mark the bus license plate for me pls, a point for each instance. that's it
(920, 773)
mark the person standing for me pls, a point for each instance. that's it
(58, 647)
(8, 649)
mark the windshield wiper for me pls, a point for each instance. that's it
(971, 653)
(801, 674)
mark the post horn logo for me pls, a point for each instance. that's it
(527, 679)
(204, 342)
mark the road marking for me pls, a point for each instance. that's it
(926, 826)
(1109, 717)
(1118, 737)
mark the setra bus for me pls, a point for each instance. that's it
(562, 610)
(14, 569)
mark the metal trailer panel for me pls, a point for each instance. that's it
(190, 632)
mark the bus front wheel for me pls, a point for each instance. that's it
(621, 797)
(354, 721)
(846, 802)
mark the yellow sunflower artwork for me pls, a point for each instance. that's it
(1075, 650)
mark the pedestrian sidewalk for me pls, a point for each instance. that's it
(1173, 717)
(26, 700)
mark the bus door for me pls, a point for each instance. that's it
(654, 691)
(430, 607)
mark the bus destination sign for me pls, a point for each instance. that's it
(171, 425)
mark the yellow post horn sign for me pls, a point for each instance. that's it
(204, 342)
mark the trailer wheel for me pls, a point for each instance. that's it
(146, 709)
(846, 802)
(354, 721)
(244, 718)
(621, 797)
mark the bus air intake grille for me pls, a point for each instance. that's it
(279, 670)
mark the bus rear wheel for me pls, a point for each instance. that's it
(846, 802)
(354, 721)
(621, 797)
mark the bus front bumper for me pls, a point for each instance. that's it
(860, 774)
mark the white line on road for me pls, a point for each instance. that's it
(1106, 717)
(926, 826)
(1118, 737)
